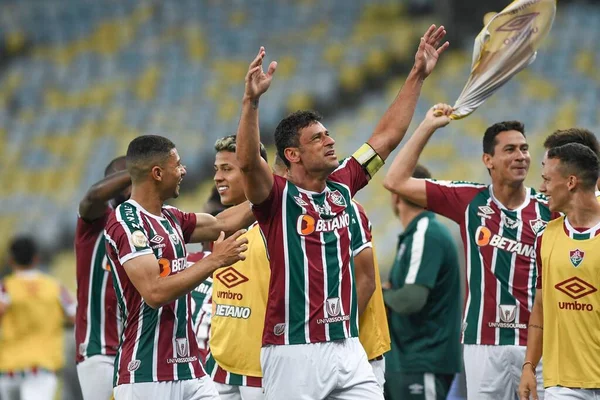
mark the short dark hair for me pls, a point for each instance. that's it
(573, 135)
(579, 160)
(421, 172)
(286, 133)
(229, 143)
(23, 250)
(146, 151)
(116, 165)
(489, 137)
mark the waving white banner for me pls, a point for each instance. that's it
(507, 44)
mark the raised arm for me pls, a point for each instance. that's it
(93, 204)
(257, 175)
(399, 178)
(393, 125)
(157, 290)
(208, 228)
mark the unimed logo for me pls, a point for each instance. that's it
(575, 288)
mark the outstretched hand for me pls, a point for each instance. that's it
(438, 116)
(257, 81)
(430, 50)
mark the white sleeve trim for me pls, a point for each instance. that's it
(131, 256)
(416, 251)
(361, 248)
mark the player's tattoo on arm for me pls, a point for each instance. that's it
(254, 104)
(536, 326)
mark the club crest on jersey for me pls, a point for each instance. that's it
(337, 198)
(333, 306)
(279, 329)
(576, 257)
(300, 202)
(133, 365)
(509, 222)
(174, 238)
(507, 312)
(485, 212)
(537, 225)
(181, 344)
(138, 238)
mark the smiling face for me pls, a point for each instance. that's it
(511, 159)
(228, 178)
(555, 185)
(172, 174)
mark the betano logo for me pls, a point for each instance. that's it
(166, 266)
(307, 224)
(575, 288)
(485, 237)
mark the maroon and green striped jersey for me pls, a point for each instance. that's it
(97, 322)
(312, 296)
(500, 257)
(157, 344)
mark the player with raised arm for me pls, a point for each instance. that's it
(311, 323)
(498, 224)
(374, 334)
(98, 324)
(158, 355)
(564, 321)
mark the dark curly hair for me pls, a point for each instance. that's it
(287, 132)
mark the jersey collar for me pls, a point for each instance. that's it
(501, 206)
(572, 231)
(412, 225)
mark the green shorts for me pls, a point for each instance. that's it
(417, 386)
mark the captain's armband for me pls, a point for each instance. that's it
(369, 159)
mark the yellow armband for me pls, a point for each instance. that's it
(369, 159)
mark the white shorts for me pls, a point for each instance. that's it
(190, 389)
(233, 392)
(332, 370)
(96, 377)
(563, 393)
(494, 372)
(379, 371)
(33, 386)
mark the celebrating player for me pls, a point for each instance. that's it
(239, 295)
(158, 356)
(498, 224)
(564, 322)
(33, 311)
(98, 325)
(311, 323)
(374, 334)
(573, 135)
